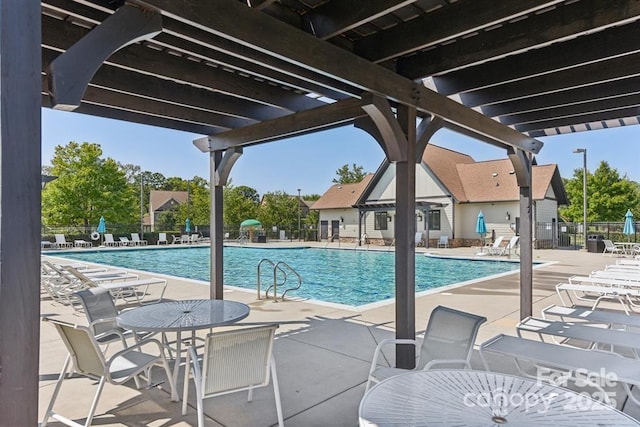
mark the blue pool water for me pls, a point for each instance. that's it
(340, 276)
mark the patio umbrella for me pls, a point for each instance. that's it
(187, 226)
(250, 224)
(629, 229)
(102, 228)
(481, 227)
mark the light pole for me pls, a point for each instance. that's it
(298, 214)
(584, 191)
(141, 208)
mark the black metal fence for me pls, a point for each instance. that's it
(569, 235)
(74, 232)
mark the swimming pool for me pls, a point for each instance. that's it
(339, 276)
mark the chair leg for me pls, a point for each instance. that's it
(56, 390)
(276, 392)
(94, 404)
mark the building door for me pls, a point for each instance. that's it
(324, 230)
(335, 230)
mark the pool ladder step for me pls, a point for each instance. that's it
(282, 268)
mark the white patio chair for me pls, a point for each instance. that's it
(418, 239)
(90, 362)
(124, 241)
(162, 239)
(101, 312)
(610, 247)
(108, 240)
(135, 239)
(61, 242)
(448, 340)
(194, 238)
(443, 242)
(233, 360)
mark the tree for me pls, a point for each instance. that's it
(197, 208)
(279, 209)
(349, 176)
(87, 188)
(240, 203)
(608, 196)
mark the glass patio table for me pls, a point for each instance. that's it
(479, 398)
(179, 316)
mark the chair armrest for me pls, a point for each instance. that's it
(136, 346)
(382, 344)
(435, 362)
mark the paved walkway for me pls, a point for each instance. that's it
(322, 352)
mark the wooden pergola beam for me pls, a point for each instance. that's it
(570, 20)
(235, 21)
(331, 115)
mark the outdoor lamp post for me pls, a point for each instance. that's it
(584, 191)
(298, 214)
(141, 208)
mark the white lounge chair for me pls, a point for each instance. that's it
(81, 244)
(108, 241)
(567, 332)
(589, 365)
(491, 247)
(611, 248)
(194, 238)
(233, 361)
(124, 241)
(418, 239)
(183, 239)
(162, 239)
(61, 242)
(448, 340)
(123, 288)
(135, 239)
(89, 361)
(443, 242)
(512, 246)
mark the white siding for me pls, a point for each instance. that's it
(546, 210)
(495, 218)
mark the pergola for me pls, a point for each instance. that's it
(245, 72)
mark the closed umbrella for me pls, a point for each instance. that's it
(481, 227)
(102, 228)
(629, 228)
(187, 226)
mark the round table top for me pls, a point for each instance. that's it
(478, 398)
(183, 315)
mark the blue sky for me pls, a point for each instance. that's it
(310, 162)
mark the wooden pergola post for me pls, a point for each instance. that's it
(20, 186)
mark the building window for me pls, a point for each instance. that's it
(380, 221)
(434, 220)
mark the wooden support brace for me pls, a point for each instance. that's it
(70, 73)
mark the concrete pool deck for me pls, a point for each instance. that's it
(323, 352)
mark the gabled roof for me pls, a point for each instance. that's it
(443, 163)
(495, 181)
(469, 181)
(159, 198)
(342, 195)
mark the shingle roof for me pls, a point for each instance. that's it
(494, 181)
(443, 163)
(342, 195)
(158, 198)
